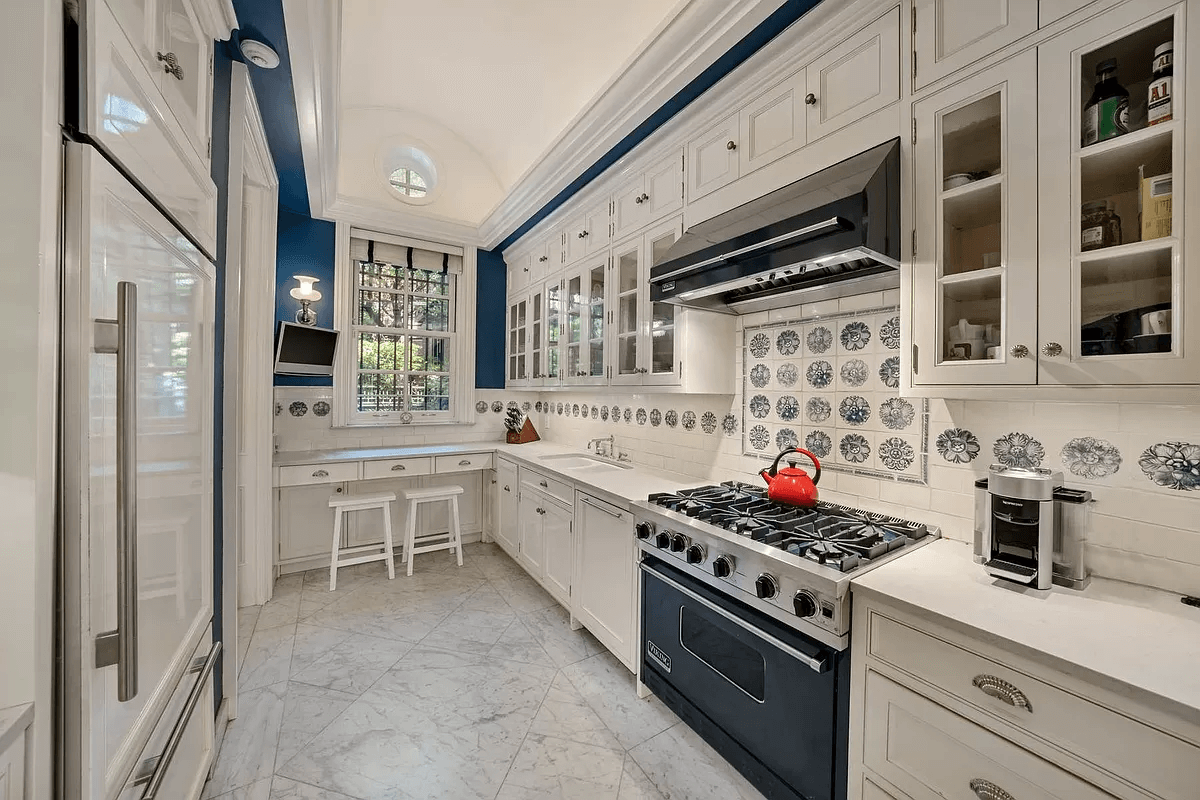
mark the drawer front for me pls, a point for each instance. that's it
(305, 474)
(397, 468)
(1112, 742)
(871, 791)
(559, 490)
(929, 752)
(468, 462)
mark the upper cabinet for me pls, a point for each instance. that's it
(858, 77)
(950, 34)
(773, 125)
(649, 196)
(712, 158)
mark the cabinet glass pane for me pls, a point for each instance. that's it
(662, 316)
(971, 212)
(1126, 242)
(596, 312)
(575, 303)
(183, 37)
(553, 326)
(628, 305)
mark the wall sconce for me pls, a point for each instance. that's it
(307, 295)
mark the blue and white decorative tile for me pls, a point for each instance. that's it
(818, 443)
(481, 406)
(854, 448)
(708, 422)
(641, 416)
(855, 336)
(497, 406)
(671, 418)
(819, 339)
(560, 409)
(853, 372)
(785, 438)
(538, 406)
(896, 413)
(889, 333)
(855, 410)
(655, 417)
(889, 372)
(616, 413)
(817, 409)
(689, 420)
(760, 375)
(574, 409)
(787, 375)
(760, 406)
(1172, 465)
(406, 418)
(526, 406)
(595, 412)
(298, 408)
(759, 437)
(896, 454)
(512, 404)
(957, 445)
(583, 410)
(788, 342)
(787, 407)
(604, 413)
(760, 345)
(1019, 450)
(819, 374)
(729, 424)
(321, 408)
(1091, 458)
(628, 414)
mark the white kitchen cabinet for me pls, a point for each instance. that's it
(1053, 10)
(531, 532)
(518, 345)
(976, 258)
(585, 333)
(12, 769)
(305, 520)
(536, 337)
(590, 233)
(603, 592)
(713, 160)
(506, 532)
(362, 528)
(772, 125)
(435, 517)
(950, 34)
(858, 77)
(558, 535)
(649, 196)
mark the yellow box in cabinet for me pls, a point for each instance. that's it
(1156, 207)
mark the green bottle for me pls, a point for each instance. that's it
(1106, 114)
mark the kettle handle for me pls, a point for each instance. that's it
(774, 470)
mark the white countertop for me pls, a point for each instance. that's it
(13, 720)
(1130, 639)
(621, 486)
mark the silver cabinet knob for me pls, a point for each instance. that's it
(986, 790)
(810, 99)
(645, 197)
(1019, 351)
(731, 145)
(638, 200)
(171, 65)
(543, 258)
(526, 269)
(1052, 349)
(583, 234)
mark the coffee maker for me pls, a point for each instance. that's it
(1029, 528)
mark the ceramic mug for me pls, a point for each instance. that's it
(967, 349)
(1156, 322)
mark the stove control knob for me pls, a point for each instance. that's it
(662, 540)
(766, 586)
(679, 543)
(723, 566)
(695, 554)
(644, 529)
(805, 604)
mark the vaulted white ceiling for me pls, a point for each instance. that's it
(485, 87)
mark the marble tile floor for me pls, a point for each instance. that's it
(457, 683)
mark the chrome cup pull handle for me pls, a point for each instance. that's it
(466, 462)
(398, 468)
(1002, 690)
(321, 474)
(986, 790)
(120, 646)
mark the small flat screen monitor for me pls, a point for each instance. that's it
(302, 350)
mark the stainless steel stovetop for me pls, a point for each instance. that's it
(793, 564)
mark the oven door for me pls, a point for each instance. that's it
(763, 691)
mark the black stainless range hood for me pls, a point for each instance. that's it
(833, 233)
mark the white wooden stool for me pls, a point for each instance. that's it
(453, 537)
(363, 502)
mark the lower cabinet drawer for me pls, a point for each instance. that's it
(559, 490)
(468, 462)
(871, 791)
(931, 753)
(305, 474)
(397, 468)
(1165, 765)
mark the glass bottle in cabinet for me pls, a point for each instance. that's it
(573, 368)
(975, 260)
(1112, 311)
(627, 292)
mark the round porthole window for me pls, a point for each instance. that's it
(409, 182)
(410, 173)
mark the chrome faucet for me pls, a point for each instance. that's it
(601, 450)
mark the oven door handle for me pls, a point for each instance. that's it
(815, 664)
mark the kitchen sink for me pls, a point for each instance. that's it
(579, 463)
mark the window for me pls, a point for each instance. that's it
(409, 182)
(399, 310)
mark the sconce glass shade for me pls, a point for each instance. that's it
(305, 290)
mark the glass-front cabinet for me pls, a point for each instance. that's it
(574, 345)
(627, 304)
(661, 333)
(1050, 222)
(643, 332)
(975, 288)
(518, 315)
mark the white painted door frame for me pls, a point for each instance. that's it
(247, 392)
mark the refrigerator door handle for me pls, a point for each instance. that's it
(120, 646)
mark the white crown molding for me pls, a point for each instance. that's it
(400, 222)
(314, 33)
(217, 17)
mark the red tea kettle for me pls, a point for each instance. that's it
(792, 484)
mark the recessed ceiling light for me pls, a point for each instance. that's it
(259, 54)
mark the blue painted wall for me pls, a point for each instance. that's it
(490, 307)
(305, 246)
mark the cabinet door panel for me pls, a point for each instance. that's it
(506, 533)
(630, 211)
(713, 159)
(625, 292)
(558, 532)
(577, 234)
(532, 541)
(976, 263)
(950, 34)
(435, 517)
(664, 187)
(602, 595)
(773, 125)
(306, 521)
(661, 343)
(187, 89)
(856, 78)
(596, 227)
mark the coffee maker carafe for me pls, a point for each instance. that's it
(1029, 528)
